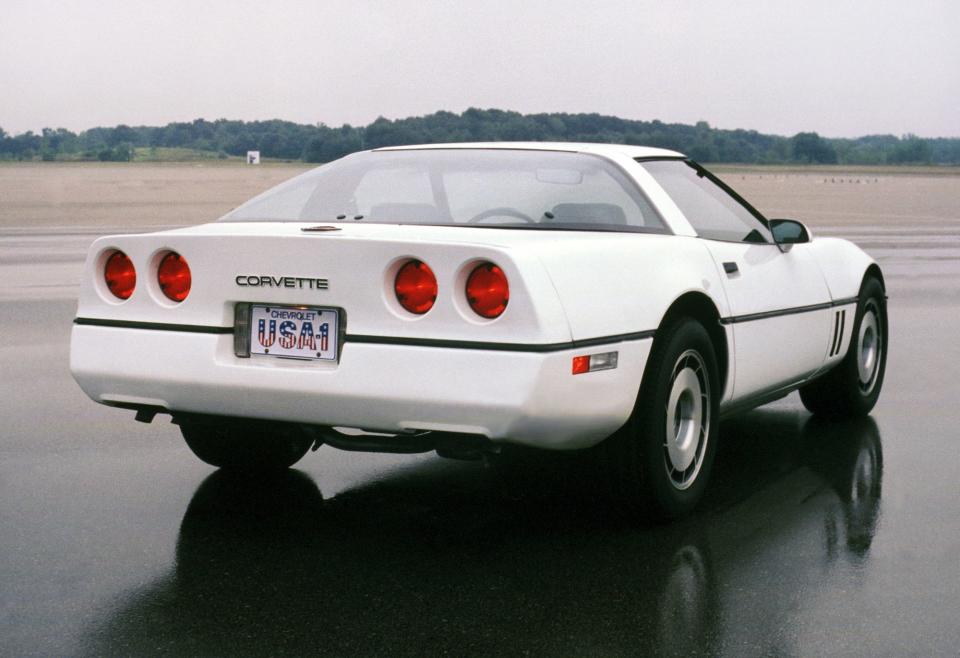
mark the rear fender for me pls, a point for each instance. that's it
(638, 285)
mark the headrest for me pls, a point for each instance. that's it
(405, 212)
(588, 213)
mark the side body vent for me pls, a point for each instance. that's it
(838, 326)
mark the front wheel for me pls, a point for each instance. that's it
(661, 459)
(245, 445)
(853, 386)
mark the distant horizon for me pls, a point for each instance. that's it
(278, 138)
(712, 125)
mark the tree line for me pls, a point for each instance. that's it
(286, 140)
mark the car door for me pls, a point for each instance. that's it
(780, 314)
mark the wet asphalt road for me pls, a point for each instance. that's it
(814, 540)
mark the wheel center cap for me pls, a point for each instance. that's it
(685, 409)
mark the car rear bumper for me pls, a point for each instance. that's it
(529, 398)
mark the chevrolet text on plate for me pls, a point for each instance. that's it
(463, 297)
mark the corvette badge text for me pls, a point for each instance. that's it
(253, 280)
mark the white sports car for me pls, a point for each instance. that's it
(461, 297)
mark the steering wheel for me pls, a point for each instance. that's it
(502, 211)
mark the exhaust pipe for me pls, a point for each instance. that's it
(452, 445)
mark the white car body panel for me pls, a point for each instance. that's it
(357, 261)
(776, 351)
(572, 293)
(612, 293)
(530, 398)
(843, 265)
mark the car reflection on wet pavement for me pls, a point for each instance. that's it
(421, 561)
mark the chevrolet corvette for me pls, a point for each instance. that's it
(459, 298)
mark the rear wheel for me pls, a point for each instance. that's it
(245, 445)
(853, 386)
(661, 459)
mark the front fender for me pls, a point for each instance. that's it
(843, 264)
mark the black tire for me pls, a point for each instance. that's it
(843, 392)
(253, 446)
(639, 459)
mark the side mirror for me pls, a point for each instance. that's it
(788, 232)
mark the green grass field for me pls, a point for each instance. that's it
(176, 154)
(152, 154)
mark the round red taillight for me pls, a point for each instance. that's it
(416, 287)
(487, 290)
(174, 277)
(120, 275)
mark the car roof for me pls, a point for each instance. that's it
(575, 147)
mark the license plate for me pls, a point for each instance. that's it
(294, 332)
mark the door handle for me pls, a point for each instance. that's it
(731, 268)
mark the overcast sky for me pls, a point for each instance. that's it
(839, 68)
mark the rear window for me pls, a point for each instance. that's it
(468, 187)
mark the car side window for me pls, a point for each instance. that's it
(710, 209)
